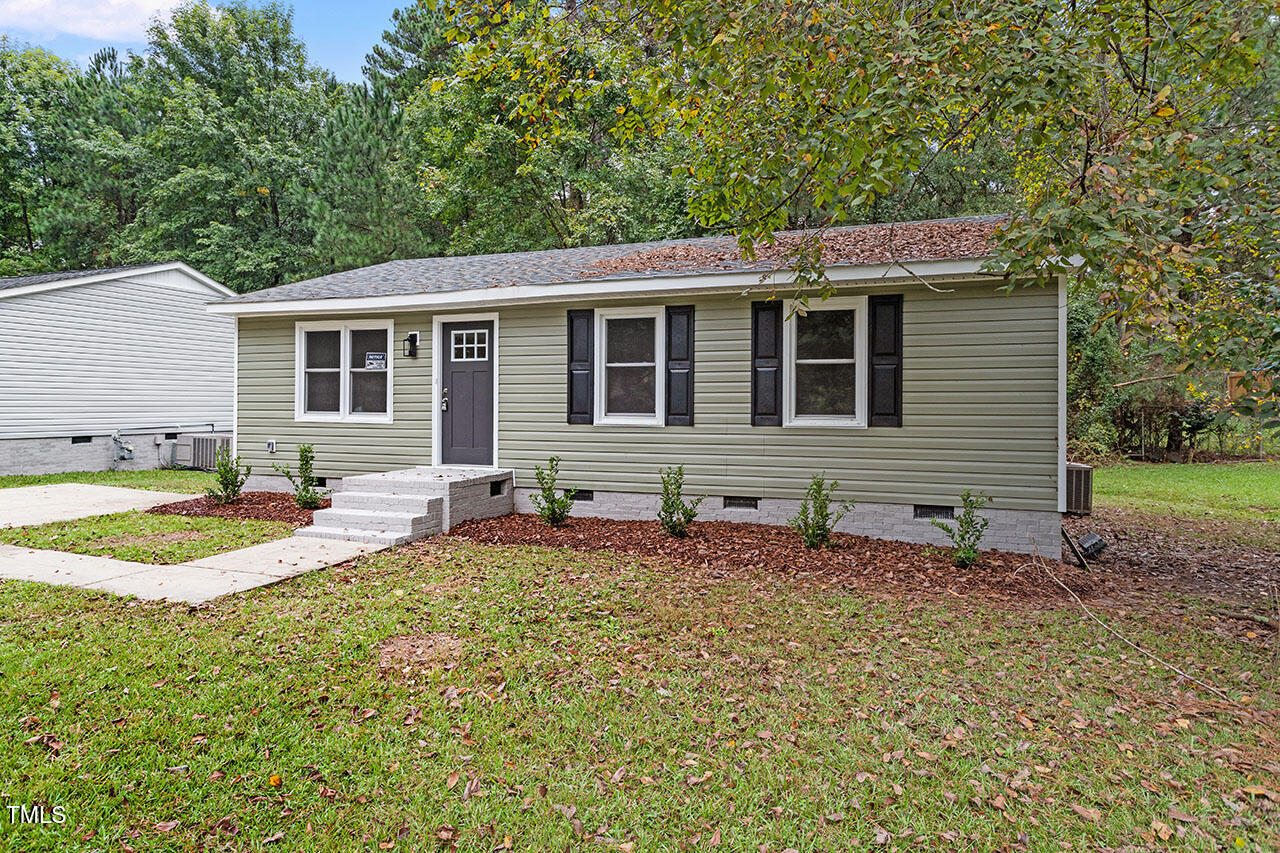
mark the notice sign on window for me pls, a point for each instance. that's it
(375, 361)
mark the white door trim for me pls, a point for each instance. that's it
(437, 324)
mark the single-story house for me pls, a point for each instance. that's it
(111, 368)
(916, 380)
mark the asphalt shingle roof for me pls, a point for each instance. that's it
(48, 277)
(939, 239)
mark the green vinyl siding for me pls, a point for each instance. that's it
(265, 389)
(980, 407)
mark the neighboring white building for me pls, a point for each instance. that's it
(108, 368)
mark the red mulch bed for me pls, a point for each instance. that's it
(855, 560)
(261, 506)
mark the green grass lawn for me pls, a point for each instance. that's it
(159, 480)
(146, 538)
(598, 702)
(1242, 491)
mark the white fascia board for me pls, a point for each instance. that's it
(676, 285)
(120, 275)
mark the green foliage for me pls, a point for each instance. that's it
(816, 517)
(551, 506)
(306, 494)
(1119, 148)
(412, 52)
(230, 477)
(967, 531)
(676, 514)
(368, 208)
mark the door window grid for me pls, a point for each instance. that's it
(471, 345)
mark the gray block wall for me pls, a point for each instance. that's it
(56, 455)
(1017, 531)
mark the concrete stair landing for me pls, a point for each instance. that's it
(396, 507)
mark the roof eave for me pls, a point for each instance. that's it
(606, 288)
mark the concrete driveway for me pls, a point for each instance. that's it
(29, 505)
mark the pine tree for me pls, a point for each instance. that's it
(412, 51)
(365, 208)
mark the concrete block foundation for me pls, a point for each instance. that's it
(1016, 531)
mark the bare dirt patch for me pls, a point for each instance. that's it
(735, 546)
(260, 506)
(408, 654)
(1230, 561)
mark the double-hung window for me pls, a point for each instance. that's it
(825, 383)
(629, 355)
(343, 371)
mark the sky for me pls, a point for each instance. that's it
(338, 33)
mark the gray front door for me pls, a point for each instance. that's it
(466, 393)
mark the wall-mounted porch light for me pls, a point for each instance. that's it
(411, 345)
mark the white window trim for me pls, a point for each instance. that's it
(344, 329)
(658, 313)
(789, 416)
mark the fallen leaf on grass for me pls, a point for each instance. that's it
(1162, 830)
(275, 780)
(1259, 791)
(452, 781)
(1089, 814)
(272, 839)
(1182, 816)
(698, 780)
(167, 825)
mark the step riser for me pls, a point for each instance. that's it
(357, 520)
(371, 536)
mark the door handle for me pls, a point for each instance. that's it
(444, 400)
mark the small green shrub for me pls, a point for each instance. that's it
(551, 507)
(676, 514)
(966, 534)
(230, 477)
(305, 493)
(816, 518)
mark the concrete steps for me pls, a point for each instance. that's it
(400, 506)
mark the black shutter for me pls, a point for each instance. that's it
(581, 368)
(679, 365)
(766, 363)
(885, 359)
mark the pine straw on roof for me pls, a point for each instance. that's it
(864, 244)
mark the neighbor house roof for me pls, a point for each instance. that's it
(933, 240)
(19, 284)
(67, 275)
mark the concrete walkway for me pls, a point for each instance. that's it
(28, 505)
(194, 582)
